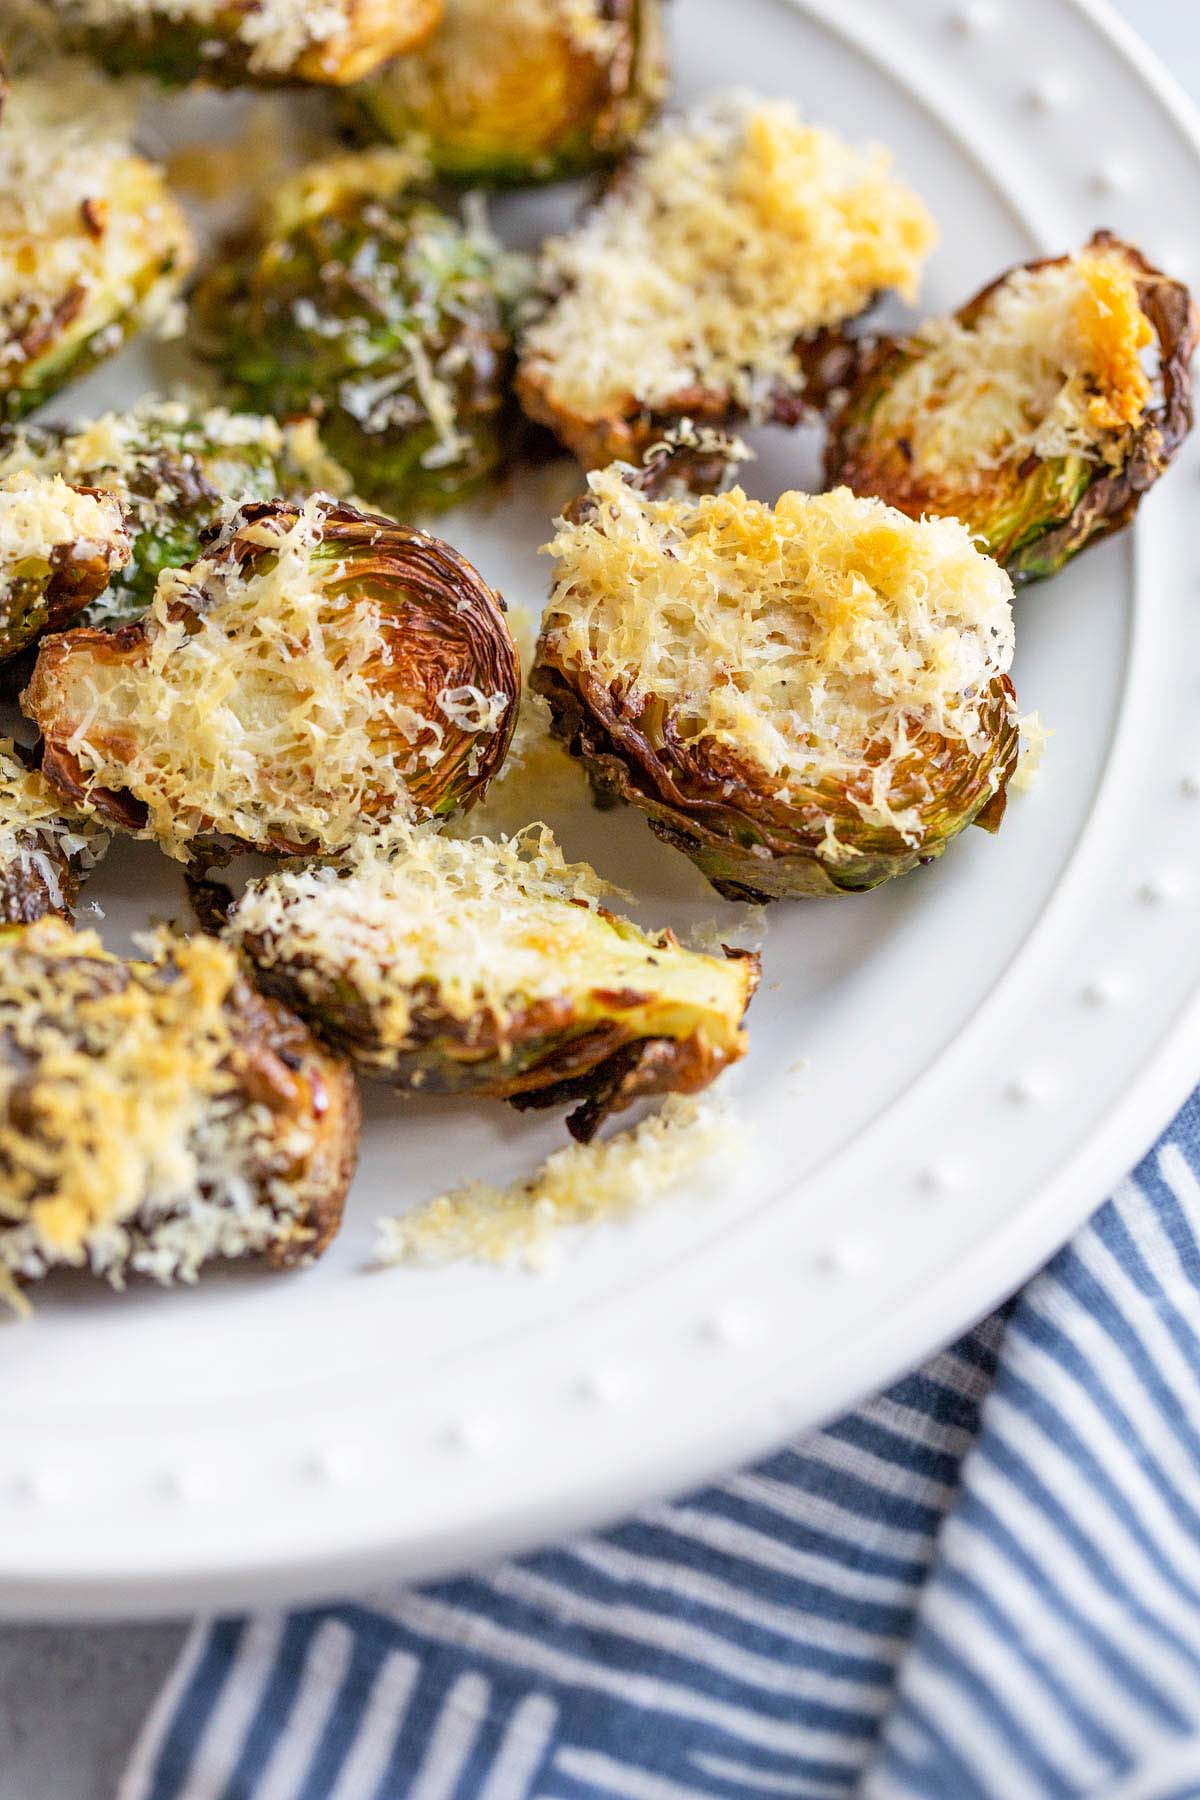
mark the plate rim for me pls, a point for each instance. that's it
(927, 1319)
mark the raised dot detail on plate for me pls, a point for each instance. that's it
(936, 1179)
(975, 18)
(1100, 992)
(844, 1258)
(474, 1435)
(1157, 891)
(599, 1387)
(1111, 178)
(335, 1464)
(1189, 787)
(731, 1328)
(1022, 1090)
(193, 1482)
(41, 1487)
(1049, 94)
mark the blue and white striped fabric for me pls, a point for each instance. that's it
(985, 1583)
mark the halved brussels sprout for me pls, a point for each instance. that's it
(174, 467)
(522, 94)
(92, 246)
(485, 967)
(45, 848)
(59, 548)
(157, 1115)
(1039, 414)
(805, 700)
(320, 668)
(330, 43)
(735, 234)
(363, 302)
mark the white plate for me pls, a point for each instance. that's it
(990, 1044)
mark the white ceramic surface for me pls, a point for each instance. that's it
(946, 1075)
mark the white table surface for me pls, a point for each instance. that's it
(71, 1700)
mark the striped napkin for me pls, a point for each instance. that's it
(985, 1583)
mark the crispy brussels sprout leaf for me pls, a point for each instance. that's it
(263, 41)
(379, 312)
(174, 467)
(45, 847)
(319, 668)
(525, 93)
(157, 1115)
(490, 967)
(806, 700)
(59, 548)
(92, 246)
(731, 238)
(1031, 414)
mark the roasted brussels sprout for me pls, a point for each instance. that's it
(45, 848)
(92, 246)
(736, 234)
(805, 700)
(157, 1115)
(174, 467)
(363, 302)
(330, 43)
(477, 966)
(59, 548)
(1039, 414)
(525, 93)
(318, 669)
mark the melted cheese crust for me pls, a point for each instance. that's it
(44, 523)
(798, 637)
(581, 1184)
(1052, 367)
(488, 927)
(83, 221)
(36, 829)
(121, 1111)
(268, 716)
(738, 230)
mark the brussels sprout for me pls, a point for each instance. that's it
(484, 967)
(1039, 414)
(525, 93)
(44, 848)
(363, 302)
(59, 548)
(174, 468)
(693, 290)
(92, 246)
(232, 41)
(805, 700)
(156, 1115)
(319, 668)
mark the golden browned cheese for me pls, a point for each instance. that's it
(321, 668)
(492, 967)
(325, 42)
(1039, 413)
(156, 1115)
(807, 698)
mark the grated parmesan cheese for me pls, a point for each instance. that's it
(580, 1185)
(798, 638)
(738, 230)
(1051, 367)
(319, 40)
(415, 924)
(262, 706)
(44, 525)
(39, 837)
(127, 1137)
(89, 235)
